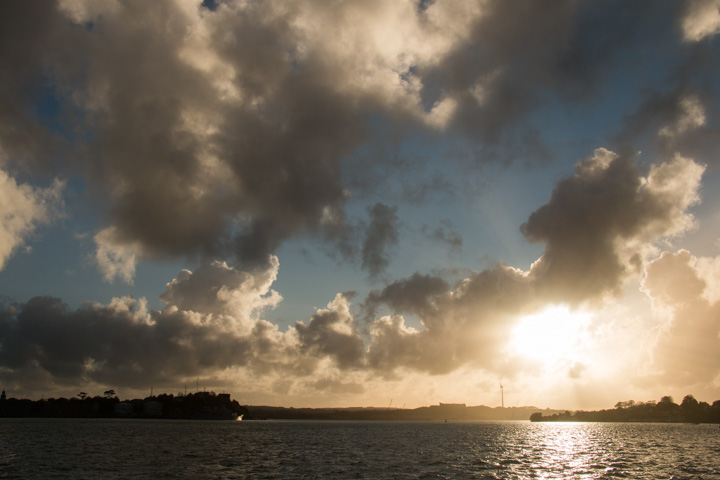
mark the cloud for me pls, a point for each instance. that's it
(223, 132)
(498, 81)
(677, 118)
(468, 325)
(216, 288)
(115, 257)
(22, 209)
(691, 116)
(409, 295)
(701, 19)
(28, 44)
(685, 352)
(671, 280)
(216, 132)
(599, 224)
(381, 234)
(125, 344)
(212, 327)
(576, 370)
(331, 332)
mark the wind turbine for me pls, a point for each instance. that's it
(502, 396)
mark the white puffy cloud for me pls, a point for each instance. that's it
(116, 257)
(22, 209)
(691, 116)
(702, 19)
(220, 290)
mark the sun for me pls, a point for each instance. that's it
(552, 335)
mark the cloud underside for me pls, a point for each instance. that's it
(599, 227)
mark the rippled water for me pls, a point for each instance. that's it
(59, 448)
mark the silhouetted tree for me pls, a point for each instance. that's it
(714, 412)
(690, 409)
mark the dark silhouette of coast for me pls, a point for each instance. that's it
(212, 406)
(666, 410)
(200, 405)
(441, 412)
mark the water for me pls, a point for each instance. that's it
(113, 449)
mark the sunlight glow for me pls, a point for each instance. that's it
(554, 334)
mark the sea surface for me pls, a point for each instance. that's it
(113, 449)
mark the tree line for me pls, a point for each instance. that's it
(689, 410)
(193, 405)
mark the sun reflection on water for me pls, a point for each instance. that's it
(370, 450)
(561, 450)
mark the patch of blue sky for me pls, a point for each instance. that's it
(308, 279)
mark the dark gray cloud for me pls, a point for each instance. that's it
(596, 223)
(518, 57)
(409, 295)
(27, 47)
(208, 326)
(678, 120)
(191, 159)
(332, 333)
(272, 164)
(112, 345)
(382, 233)
(222, 130)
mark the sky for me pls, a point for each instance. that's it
(361, 203)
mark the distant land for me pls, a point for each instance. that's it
(200, 405)
(212, 406)
(443, 411)
(666, 410)
(209, 405)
